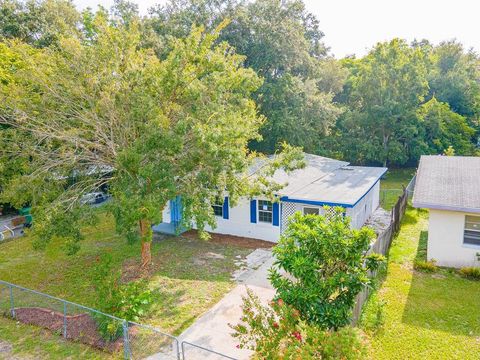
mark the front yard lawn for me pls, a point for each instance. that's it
(188, 277)
(426, 315)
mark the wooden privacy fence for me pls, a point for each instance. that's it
(382, 245)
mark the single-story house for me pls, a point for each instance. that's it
(323, 182)
(449, 187)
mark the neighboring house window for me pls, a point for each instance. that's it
(311, 211)
(265, 211)
(218, 208)
(471, 234)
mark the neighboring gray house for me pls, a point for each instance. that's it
(322, 182)
(449, 186)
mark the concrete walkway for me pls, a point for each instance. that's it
(212, 330)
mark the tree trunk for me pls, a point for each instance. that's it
(146, 238)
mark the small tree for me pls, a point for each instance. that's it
(326, 267)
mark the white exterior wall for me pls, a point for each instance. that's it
(445, 240)
(238, 224)
(365, 207)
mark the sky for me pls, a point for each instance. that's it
(355, 26)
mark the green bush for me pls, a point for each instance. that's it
(425, 266)
(277, 332)
(125, 301)
(470, 272)
(327, 267)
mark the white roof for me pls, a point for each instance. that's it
(328, 181)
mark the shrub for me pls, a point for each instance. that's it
(125, 301)
(277, 332)
(327, 266)
(470, 272)
(425, 266)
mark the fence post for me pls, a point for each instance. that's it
(177, 346)
(64, 319)
(183, 350)
(12, 305)
(126, 344)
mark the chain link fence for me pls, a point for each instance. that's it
(118, 337)
(389, 197)
(121, 338)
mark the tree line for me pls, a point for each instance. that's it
(399, 101)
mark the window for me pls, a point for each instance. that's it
(311, 211)
(218, 207)
(265, 211)
(471, 234)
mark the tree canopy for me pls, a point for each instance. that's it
(282, 42)
(393, 113)
(364, 110)
(111, 112)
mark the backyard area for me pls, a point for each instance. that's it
(188, 277)
(392, 185)
(424, 315)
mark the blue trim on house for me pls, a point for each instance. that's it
(275, 214)
(225, 208)
(313, 202)
(253, 211)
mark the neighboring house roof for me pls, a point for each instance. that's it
(448, 183)
(328, 181)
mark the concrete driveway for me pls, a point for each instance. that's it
(212, 331)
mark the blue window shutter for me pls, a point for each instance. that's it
(225, 208)
(253, 211)
(276, 214)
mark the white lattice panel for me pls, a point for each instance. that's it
(288, 209)
(330, 213)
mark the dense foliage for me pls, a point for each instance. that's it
(277, 332)
(109, 112)
(282, 42)
(369, 110)
(407, 100)
(321, 266)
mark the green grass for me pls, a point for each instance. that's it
(392, 184)
(426, 316)
(186, 281)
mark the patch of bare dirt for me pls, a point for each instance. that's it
(81, 327)
(247, 243)
(131, 271)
